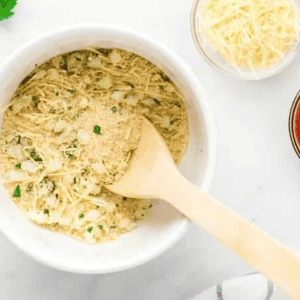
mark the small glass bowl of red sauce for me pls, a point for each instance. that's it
(294, 124)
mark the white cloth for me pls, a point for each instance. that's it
(249, 287)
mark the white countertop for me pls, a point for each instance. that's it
(257, 174)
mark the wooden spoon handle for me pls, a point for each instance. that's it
(265, 254)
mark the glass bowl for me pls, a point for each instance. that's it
(215, 59)
(295, 112)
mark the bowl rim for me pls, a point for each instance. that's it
(211, 163)
(256, 76)
(291, 123)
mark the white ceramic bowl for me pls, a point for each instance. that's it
(166, 225)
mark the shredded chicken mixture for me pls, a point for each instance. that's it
(71, 128)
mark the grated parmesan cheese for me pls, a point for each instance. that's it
(30, 166)
(252, 34)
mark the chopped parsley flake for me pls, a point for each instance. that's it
(64, 65)
(71, 91)
(97, 129)
(100, 227)
(71, 156)
(32, 154)
(113, 109)
(29, 188)
(90, 229)
(35, 156)
(74, 146)
(18, 166)
(81, 216)
(17, 192)
(46, 211)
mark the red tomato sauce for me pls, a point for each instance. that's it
(296, 125)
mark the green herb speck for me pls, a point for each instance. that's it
(18, 166)
(32, 154)
(29, 187)
(81, 216)
(17, 192)
(75, 146)
(46, 211)
(97, 129)
(113, 109)
(90, 229)
(71, 91)
(71, 156)
(64, 65)
(100, 227)
(35, 98)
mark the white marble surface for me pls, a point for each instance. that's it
(258, 174)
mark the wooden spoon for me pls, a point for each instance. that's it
(153, 174)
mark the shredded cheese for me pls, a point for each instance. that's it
(252, 34)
